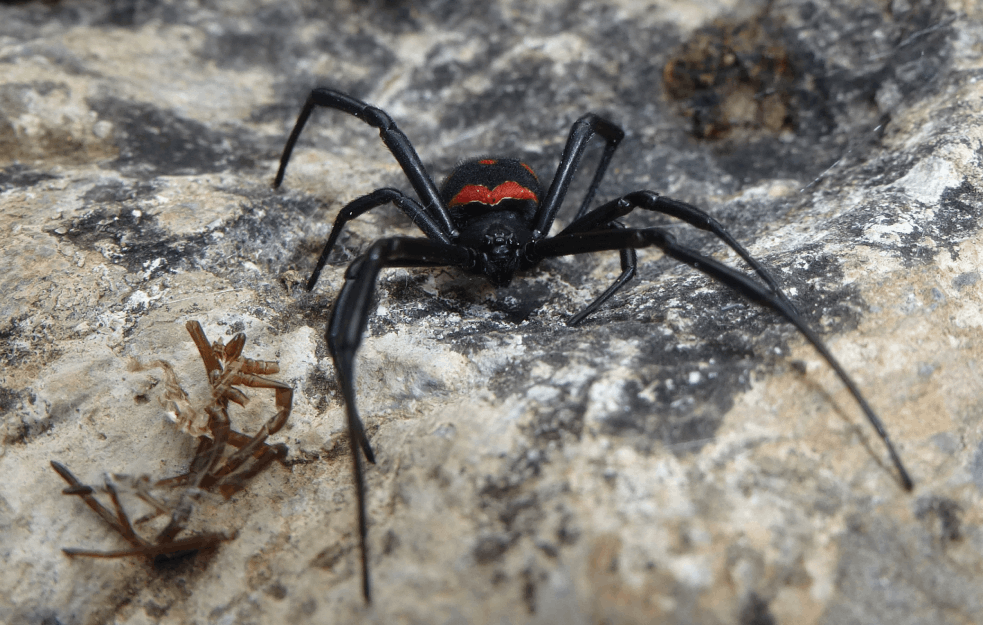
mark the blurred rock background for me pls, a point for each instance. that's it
(680, 458)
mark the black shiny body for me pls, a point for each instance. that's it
(494, 231)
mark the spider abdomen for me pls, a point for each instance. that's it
(480, 184)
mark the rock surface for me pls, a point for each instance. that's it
(682, 457)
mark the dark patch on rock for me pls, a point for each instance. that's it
(525, 506)
(686, 375)
(245, 49)
(179, 563)
(924, 590)
(556, 421)
(515, 113)
(755, 611)
(131, 238)
(9, 399)
(362, 51)
(25, 429)
(38, 616)
(529, 579)
(975, 465)
(23, 339)
(332, 555)
(118, 192)
(491, 548)
(21, 176)
(358, 47)
(18, 100)
(138, 12)
(500, 489)
(956, 218)
(567, 533)
(966, 279)
(269, 40)
(516, 303)
(154, 142)
(277, 590)
(943, 516)
(268, 233)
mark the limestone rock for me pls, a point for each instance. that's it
(682, 456)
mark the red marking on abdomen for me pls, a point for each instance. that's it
(509, 190)
(487, 161)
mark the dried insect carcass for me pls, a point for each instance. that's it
(226, 368)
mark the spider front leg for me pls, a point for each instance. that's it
(238, 370)
(394, 139)
(347, 327)
(596, 241)
(582, 131)
(205, 471)
(361, 205)
(229, 478)
(604, 218)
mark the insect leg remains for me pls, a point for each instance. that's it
(166, 544)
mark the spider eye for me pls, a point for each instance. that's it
(500, 240)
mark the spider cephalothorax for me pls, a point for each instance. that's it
(493, 200)
(492, 218)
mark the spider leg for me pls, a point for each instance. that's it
(205, 456)
(604, 216)
(629, 264)
(255, 446)
(264, 367)
(210, 451)
(617, 239)
(179, 519)
(395, 141)
(166, 543)
(361, 205)
(230, 393)
(580, 135)
(345, 331)
(225, 476)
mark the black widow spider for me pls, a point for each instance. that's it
(491, 218)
